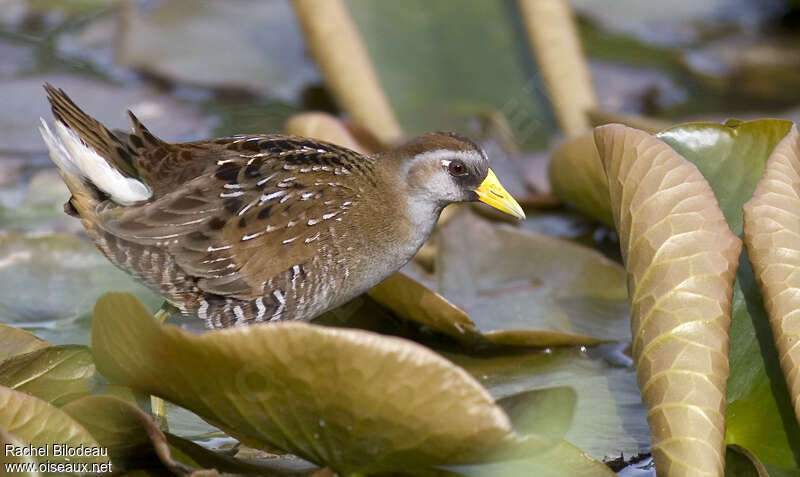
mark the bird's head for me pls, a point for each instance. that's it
(443, 168)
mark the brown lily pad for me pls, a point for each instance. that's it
(14, 341)
(349, 399)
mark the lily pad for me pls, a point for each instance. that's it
(739, 462)
(756, 378)
(409, 298)
(608, 418)
(16, 58)
(731, 157)
(134, 441)
(255, 46)
(40, 209)
(24, 102)
(14, 341)
(578, 178)
(179, 453)
(186, 424)
(118, 426)
(24, 462)
(681, 259)
(741, 155)
(563, 459)
(40, 424)
(681, 21)
(757, 69)
(771, 236)
(548, 412)
(56, 374)
(51, 283)
(771, 240)
(442, 88)
(68, 7)
(520, 286)
(363, 312)
(755, 424)
(324, 394)
(772, 433)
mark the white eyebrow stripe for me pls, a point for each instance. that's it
(447, 154)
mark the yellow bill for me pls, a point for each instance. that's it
(492, 192)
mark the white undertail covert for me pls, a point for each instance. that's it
(74, 157)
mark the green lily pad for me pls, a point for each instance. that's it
(731, 157)
(679, 22)
(770, 235)
(772, 433)
(739, 462)
(765, 439)
(520, 286)
(412, 300)
(69, 7)
(56, 374)
(428, 87)
(563, 459)
(37, 423)
(608, 418)
(325, 394)
(186, 424)
(15, 341)
(548, 412)
(41, 209)
(24, 102)
(255, 46)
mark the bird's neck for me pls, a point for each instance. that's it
(414, 216)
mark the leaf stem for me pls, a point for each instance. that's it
(157, 405)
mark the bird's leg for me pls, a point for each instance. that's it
(157, 405)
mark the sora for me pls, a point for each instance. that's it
(255, 228)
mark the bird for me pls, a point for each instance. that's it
(264, 227)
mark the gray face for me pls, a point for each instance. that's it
(445, 175)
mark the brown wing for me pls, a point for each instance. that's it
(250, 218)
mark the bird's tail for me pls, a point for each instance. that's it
(94, 163)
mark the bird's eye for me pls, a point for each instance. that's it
(456, 168)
